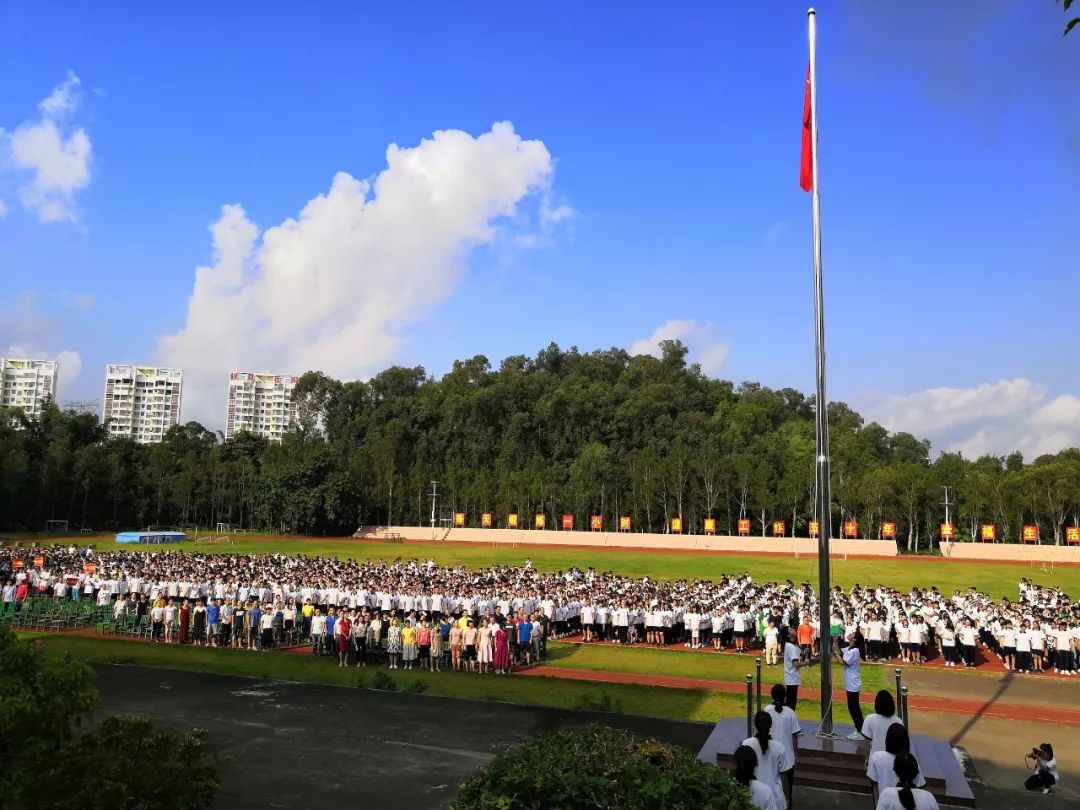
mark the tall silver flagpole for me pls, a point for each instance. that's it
(822, 415)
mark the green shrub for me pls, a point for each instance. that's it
(604, 703)
(380, 680)
(414, 687)
(599, 768)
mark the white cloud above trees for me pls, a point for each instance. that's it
(336, 287)
(992, 418)
(706, 348)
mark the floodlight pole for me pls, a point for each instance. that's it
(434, 494)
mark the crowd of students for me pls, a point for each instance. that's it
(263, 601)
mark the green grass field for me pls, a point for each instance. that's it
(997, 579)
(681, 704)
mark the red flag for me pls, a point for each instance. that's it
(806, 170)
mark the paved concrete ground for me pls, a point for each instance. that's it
(304, 745)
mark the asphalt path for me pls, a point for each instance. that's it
(287, 744)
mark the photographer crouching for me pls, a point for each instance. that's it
(1046, 768)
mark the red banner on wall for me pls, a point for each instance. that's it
(459, 519)
(1030, 534)
(779, 528)
(1072, 535)
(512, 520)
(814, 528)
(485, 520)
(541, 521)
(710, 525)
(676, 525)
(568, 522)
(988, 532)
(596, 523)
(624, 523)
(948, 531)
(851, 529)
(744, 527)
(888, 530)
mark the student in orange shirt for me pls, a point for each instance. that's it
(806, 636)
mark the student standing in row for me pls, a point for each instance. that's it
(906, 796)
(393, 643)
(786, 729)
(876, 726)
(880, 770)
(746, 762)
(408, 644)
(436, 647)
(772, 757)
(793, 664)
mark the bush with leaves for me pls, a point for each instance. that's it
(50, 757)
(601, 769)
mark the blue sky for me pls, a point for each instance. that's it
(950, 168)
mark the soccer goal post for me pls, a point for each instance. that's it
(56, 526)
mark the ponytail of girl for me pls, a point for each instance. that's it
(906, 768)
(779, 697)
(745, 764)
(763, 725)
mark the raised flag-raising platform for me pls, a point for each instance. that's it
(840, 765)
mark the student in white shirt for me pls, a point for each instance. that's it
(851, 658)
(793, 662)
(880, 767)
(772, 757)
(1023, 648)
(905, 796)
(1046, 769)
(968, 635)
(786, 729)
(1038, 645)
(761, 795)
(876, 726)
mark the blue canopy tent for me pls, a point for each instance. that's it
(151, 537)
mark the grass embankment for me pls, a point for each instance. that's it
(709, 666)
(680, 704)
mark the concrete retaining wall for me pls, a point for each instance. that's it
(687, 542)
(801, 546)
(1013, 552)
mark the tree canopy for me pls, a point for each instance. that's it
(599, 433)
(51, 757)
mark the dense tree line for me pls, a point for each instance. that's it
(564, 432)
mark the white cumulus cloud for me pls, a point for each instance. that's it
(995, 418)
(334, 288)
(52, 155)
(706, 349)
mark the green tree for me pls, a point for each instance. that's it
(50, 758)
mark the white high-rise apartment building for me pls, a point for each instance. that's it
(141, 402)
(260, 403)
(25, 383)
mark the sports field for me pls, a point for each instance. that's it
(903, 573)
(574, 660)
